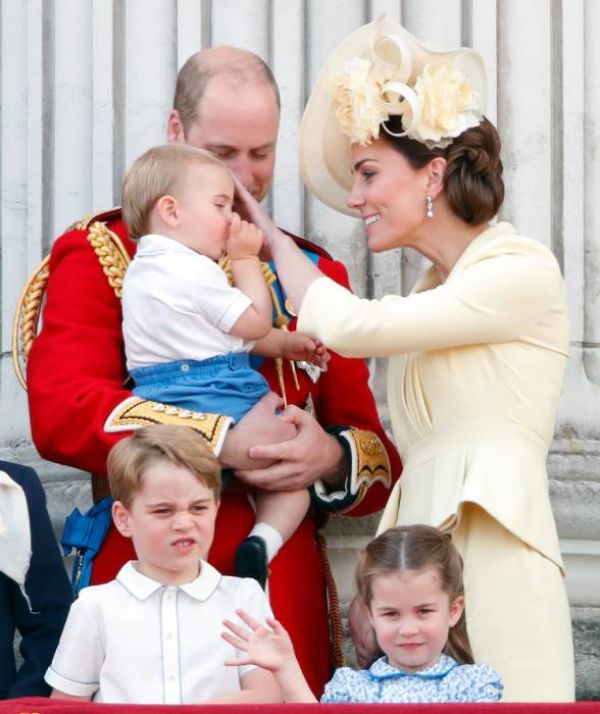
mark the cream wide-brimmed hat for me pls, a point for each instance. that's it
(377, 72)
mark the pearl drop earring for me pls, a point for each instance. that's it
(429, 207)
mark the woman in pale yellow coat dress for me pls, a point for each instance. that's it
(477, 350)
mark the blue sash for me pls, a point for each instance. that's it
(85, 532)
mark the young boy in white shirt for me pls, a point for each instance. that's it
(152, 635)
(187, 331)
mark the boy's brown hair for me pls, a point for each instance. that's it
(129, 459)
(154, 174)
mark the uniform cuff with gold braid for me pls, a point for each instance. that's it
(369, 463)
(134, 413)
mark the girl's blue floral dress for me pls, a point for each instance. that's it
(445, 681)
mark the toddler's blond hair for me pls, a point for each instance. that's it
(155, 174)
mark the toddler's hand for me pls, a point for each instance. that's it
(268, 647)
(256, 213)
(245, 239)
(298, 346)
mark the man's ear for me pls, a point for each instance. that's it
(436, 170)
(175, 132)
(122, 519)
(167, 210)
(456, 610)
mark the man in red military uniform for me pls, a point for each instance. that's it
(226, 101)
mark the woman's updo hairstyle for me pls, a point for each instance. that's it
(473, 182)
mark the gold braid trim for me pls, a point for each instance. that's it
(114, 260)
(135, 413)
(111, 253)
(336, 630)
(369, 463)
(27, 315)
(372, 461)
(281, 320)
(81, 224)
(270, 279)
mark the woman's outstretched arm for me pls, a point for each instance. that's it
(296, 272)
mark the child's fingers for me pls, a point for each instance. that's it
(276, 626)
(235, 225)
(234, 641)
(248, 619)
(232, 637)
(249, 234)
(237, 630)
(258, 236)
(308, 344)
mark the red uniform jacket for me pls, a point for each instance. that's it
(75, 377)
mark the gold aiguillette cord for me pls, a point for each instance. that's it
(281, 321)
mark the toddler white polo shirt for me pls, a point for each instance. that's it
(177, 304)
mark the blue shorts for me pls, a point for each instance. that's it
(225, 384)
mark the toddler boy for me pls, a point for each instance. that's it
(187, 331)
(152, 635)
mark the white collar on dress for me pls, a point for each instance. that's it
(382, 669)
(142, 587)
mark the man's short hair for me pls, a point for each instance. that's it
(196, 73)
(131, 457)
(157, 173)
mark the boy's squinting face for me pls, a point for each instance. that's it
(204, 204)
(171, 522)
(412, 616)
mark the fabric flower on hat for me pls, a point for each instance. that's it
(448, 105)
(358, 106)
(436, 103)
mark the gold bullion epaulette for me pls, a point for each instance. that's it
(135, 413)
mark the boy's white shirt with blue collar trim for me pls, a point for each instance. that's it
(142, 587)
(135, 640)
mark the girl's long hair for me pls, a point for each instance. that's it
(418, 547)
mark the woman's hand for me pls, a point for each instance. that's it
(295, 270)
(267, 647)
(254, 212)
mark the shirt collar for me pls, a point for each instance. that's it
(142, 587)
(153, 243)
(382, 669)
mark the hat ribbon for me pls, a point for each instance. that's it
(391, 69)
